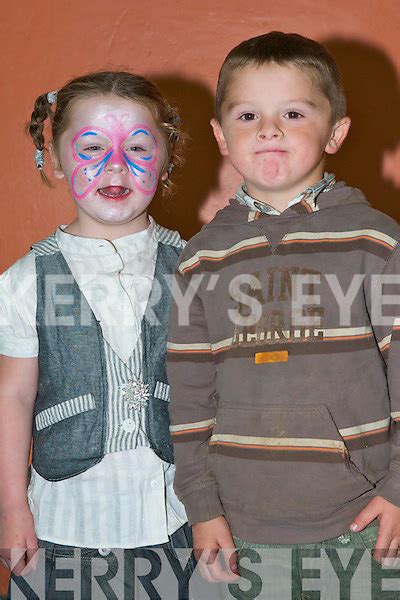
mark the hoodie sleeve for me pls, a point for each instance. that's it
(191, 374)
(383, 297)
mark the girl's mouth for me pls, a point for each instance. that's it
(115, 192)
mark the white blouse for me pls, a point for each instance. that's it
(127, 500)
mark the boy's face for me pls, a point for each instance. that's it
(276, 127)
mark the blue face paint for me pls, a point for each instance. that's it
(114, 146)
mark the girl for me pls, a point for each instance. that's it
(82, 340)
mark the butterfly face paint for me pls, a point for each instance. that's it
(112, 154)
(127, 152)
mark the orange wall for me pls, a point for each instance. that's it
(181, 44)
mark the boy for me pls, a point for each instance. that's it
(282, 360)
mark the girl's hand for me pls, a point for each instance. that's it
(18, 541)
(215, 551)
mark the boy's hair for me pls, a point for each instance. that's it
(123, 84)
(285, 49)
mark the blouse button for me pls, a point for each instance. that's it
(128, 425)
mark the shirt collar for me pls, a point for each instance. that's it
(78, 247)
(96, 256)
(309, 196)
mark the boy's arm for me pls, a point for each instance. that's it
(383, 298)
(18, 386)
(191, 374)
(192, 377)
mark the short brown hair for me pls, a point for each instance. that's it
(282, 49)
(121, 83)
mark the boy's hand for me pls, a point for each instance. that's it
(18, 541)
(388, 541)
(210, 537)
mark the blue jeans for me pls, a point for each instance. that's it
(341, 568)
(160, 572)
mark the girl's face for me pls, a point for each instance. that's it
(113, 156)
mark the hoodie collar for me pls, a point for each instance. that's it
(308, 197)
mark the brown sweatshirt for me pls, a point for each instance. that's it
(284, 366)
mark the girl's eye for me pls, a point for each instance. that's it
(247, 116)
(136, 149)
(93, 148)
(293, 114)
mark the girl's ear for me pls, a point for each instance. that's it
(219, 136)
(338, 135)
(57, 170)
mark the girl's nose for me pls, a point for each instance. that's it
(117, 163)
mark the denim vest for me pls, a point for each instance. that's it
(70, 415)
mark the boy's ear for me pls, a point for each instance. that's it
(57, 170)
(338, 135)
(219, 136)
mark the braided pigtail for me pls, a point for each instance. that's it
(41, 111)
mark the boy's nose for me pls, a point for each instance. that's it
(269, 130)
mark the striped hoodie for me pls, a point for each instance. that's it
(283, 361)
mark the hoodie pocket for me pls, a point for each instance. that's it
(279, 462)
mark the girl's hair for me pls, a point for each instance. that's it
(121, 83)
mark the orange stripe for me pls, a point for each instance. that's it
(333, 241)
(217, 259)
(306, 206)
(325, 339)
(257, 447)
(222, 349)
(189, 351)
(238, 344)
(191, 430)
(358, 435)
(362, 336)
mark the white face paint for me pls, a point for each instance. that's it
(112, 155)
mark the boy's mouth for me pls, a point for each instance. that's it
(271, 150)
(116, 192)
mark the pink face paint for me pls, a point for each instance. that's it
(134, 149)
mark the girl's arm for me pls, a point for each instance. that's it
(18, 388)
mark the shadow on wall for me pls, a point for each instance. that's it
(373, 94)
(199, 174)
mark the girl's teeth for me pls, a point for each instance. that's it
(114, 190)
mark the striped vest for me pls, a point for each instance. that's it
(72, 411)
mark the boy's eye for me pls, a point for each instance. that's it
(293, 114)
(247, 116)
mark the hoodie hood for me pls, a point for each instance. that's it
(339, 195)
